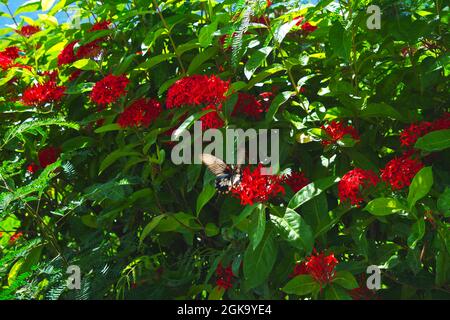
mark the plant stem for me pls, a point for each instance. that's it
(174, 47)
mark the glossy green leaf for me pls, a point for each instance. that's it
(434, 141)
(295, 230)
(420, 185)
(301, 285)
(384, 206)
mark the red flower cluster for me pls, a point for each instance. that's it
(212, 120)
(353, 183)
(28, 31)
(337, 130)
(409, 136)
(74, 75)
(40, 94)
(247, 104)
(319, 266)
(399, 172)
(196, 90)
(15, 237)
(103, 25)
(88, 50)
(255, 187)
(109, 89)
(141, 113)
(7, 57)
(32, 168)
(305, 26)
(296, 181)
(224, 277)
(48, 156)
(67, 55)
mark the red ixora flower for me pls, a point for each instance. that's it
(319, 266)
(109, 89)
(40, 94)
(67, 55)
(196, 90)
(353, 183)
(142, 112)
(409, 136)
(305, 26)
(101, 25)
(224, 277)
(248, 105)
(15, 237)
(7, 57)
(28, 30)
(337, 130)
(256, 187)
(48, 156)
(74, 75)
(296, 180)
(212, 120)
(32, 168)
(399, 172)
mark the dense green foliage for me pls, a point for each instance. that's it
(140, 227)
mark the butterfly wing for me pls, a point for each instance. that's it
(214, 164)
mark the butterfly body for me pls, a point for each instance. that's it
(227, 177)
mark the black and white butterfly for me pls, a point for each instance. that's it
(227, 177)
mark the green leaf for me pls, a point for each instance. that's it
(189, 122)
(443, 202)
(116, 155)
(153, 61)
(340, 41)
(229, 104)
(336, 293)
(207, 193)
(442, 268)
(216, 293)
(207, 34)
(248, 210)
(258, 263)
(76, 143)
(256, 60)
(211, 230)
(85, 64)
(201, 58)
(281, 32)
(47, 4)
(417, 233)
(29, 6)
(382, 110)
(434, 141)
(276, 103)
(310, 191)
(150, 226)
(301, 285)
(420, 185)
(15, 270)
(108, 127)
(258, 226)
(384, 206)
(124, 64)
(32, 126)
(295, 230)
(346, 280)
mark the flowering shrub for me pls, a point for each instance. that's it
(86, 178)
